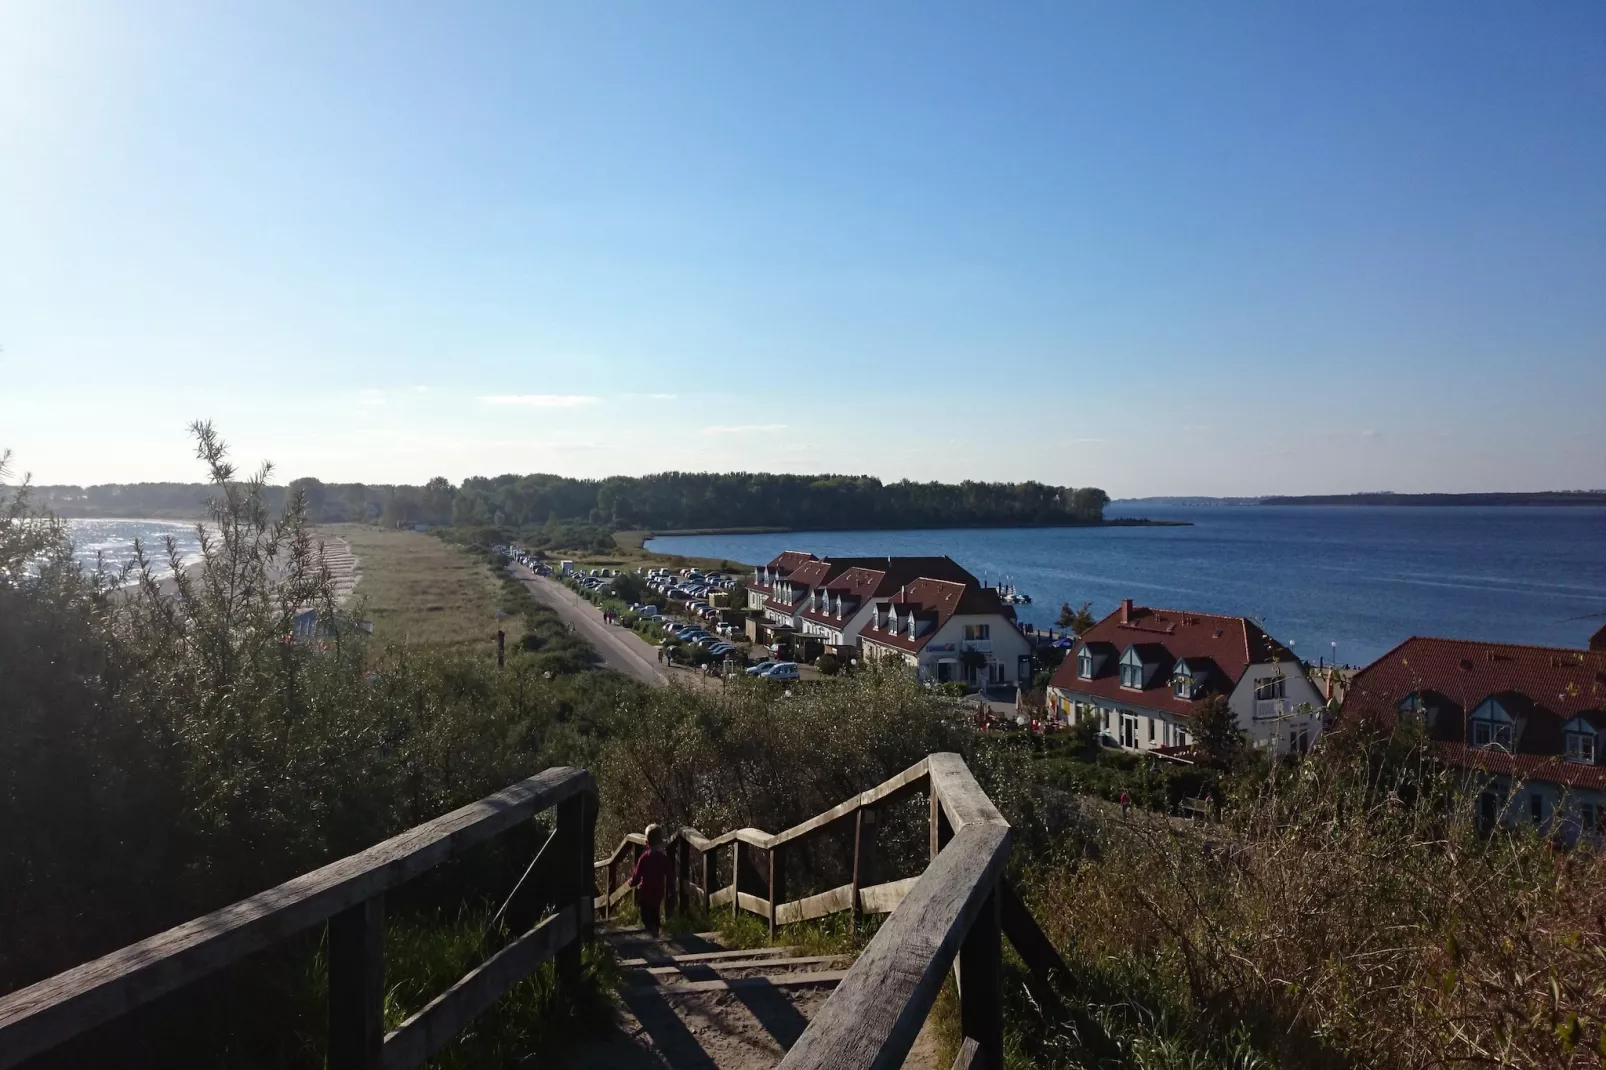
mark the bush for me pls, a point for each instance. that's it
(170, 749)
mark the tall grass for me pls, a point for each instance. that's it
(1348, 914)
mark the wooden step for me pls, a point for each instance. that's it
(710, 956)
(678, 965)
(635, 934)
(781, 980)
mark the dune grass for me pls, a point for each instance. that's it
(420, 591)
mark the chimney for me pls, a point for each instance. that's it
(1126, 611)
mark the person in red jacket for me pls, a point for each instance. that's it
(650, 879)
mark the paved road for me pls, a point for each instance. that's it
(619, 648)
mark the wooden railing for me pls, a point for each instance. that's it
(957, 908)
(349, 895)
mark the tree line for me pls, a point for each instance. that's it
(665, 501)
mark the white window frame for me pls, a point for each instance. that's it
(1084, 665)
(1581, 747)
(1487, 732)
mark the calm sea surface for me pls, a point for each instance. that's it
(1363, 577)
(115, 540)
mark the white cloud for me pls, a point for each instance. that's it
(542, 401)
(743, 429)
(663, 397)
(371, 399)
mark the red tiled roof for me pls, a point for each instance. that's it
(1550, 685)
(815, 572)
(1228, 644)
(788, 560)
(938, 601)
(1551, 767)
(865, 581)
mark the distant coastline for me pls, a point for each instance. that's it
(1543, 497)
(635, 540)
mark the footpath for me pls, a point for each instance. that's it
(619, 648)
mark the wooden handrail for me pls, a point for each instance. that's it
(958, 909)
(349, 895)
(873, 1017)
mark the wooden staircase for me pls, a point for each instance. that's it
(691, 1003)
(688, 1002)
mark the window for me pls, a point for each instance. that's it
(1106, 720)
(978, 632)
(1084, 665)
(1487, 733)
(1131, 675)
(1414, 707)
(1589, 818)
(1536, 806)
(1581, 747)
(1151, 729)
(1269, 689)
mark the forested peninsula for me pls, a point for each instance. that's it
(663, 502)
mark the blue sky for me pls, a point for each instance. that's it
(1162, 248)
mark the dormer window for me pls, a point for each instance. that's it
(1581, 741)
(1132, 670)
(1084, 665)
(1185, 683)
(1416, 708)
(1492, 726)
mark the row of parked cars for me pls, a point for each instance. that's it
(691, 586)
(695, 635)
(514, 553)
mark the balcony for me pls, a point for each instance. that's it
(1269, 709)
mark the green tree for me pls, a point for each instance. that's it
(1077, 620)
(1216, 727)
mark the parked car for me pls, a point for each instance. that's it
(761, 668)
(781, 670)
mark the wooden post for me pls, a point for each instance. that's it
(777, 884)
(981, 985)
(570, 853)
(706, 886)
(357, 986)
(853, 895)
(736, 880)
(607, 891)
(586, 872)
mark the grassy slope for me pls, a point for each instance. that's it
(419, 590)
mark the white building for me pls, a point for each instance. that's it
(1144, 674)
(949, 631)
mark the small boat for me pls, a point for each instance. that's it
(1010, 596)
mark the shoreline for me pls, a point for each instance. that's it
(636, 539)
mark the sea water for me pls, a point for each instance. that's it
(1344, 581)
